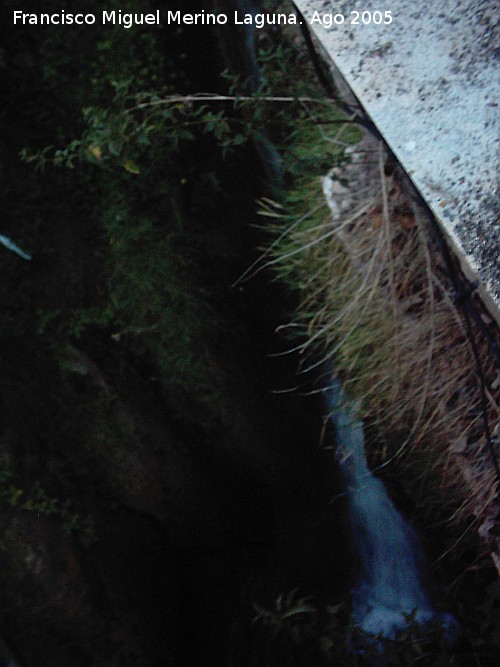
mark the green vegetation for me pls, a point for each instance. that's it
(134, 409)
(38, 502)
(121, 385)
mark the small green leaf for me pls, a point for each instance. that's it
(130, 166)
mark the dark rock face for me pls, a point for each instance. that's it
(184, 538)
(138, 524)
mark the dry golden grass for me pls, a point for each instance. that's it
(377, 300)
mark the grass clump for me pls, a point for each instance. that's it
(377, 299)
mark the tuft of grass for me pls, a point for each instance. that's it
(377, 300)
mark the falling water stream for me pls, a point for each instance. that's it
(390, 587)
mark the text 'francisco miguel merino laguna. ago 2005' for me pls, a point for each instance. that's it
(257, 20)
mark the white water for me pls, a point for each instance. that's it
(390, 586)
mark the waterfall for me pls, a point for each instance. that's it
(244, 44)
(390, 553)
